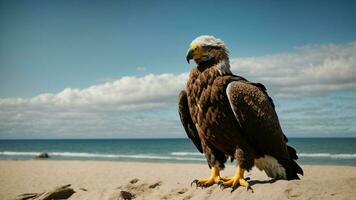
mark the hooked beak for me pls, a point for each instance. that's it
(190, 54)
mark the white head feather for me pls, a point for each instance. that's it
(207, 40)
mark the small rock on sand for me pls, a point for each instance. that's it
(126, 195)
(155, 185)
(135, 180)
(43, 155)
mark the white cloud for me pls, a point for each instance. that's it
(126, 93)
(309, 71)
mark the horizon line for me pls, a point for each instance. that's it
(167, 138)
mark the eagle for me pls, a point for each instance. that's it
(227, 116)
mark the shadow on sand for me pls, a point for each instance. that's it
(254, 182)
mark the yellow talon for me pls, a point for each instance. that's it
(226, 178)
(213, 179)
(236, 180)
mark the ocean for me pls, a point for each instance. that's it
(312, 151)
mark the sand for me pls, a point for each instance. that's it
(96, 180)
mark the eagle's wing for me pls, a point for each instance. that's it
(187, 121)
(255, 113)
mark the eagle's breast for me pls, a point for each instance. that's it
(210, 109)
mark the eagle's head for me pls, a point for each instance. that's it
(208, 51)
(207, 48)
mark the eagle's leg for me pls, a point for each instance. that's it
(236, 180)
(213, 179)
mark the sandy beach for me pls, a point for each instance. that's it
(102, 180)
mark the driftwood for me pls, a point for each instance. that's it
(26, 196)
(63, 192)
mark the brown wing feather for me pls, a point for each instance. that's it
(254, 110)
(187, 121)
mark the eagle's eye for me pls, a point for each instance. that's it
(194, 47)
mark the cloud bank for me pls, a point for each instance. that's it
(310, 71)
(147, 104)
(126, 93)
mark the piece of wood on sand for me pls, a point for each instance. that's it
(62, 192)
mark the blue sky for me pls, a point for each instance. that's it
(70, 69)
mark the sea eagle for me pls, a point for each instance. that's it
(227, 116)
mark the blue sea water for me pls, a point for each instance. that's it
(327, 151)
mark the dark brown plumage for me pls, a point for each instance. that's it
(228, 116)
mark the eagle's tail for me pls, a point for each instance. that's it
(291, 167)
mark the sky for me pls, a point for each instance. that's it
(113, 69)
